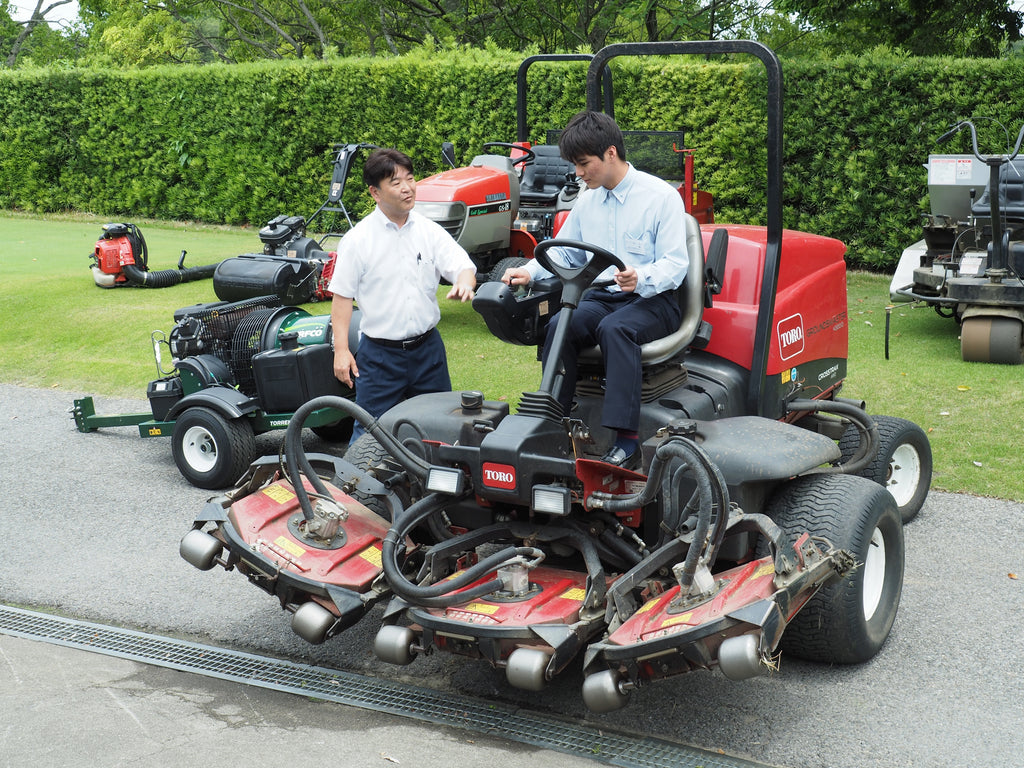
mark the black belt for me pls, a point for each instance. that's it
(412, 343)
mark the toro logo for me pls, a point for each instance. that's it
(499, 475)
(791, 336)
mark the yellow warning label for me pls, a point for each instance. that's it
(683, 618)
(490, 610)
(764, 570)
(574, 593)
(371, 555)
(648, 605)
(289, 546)
(279, 493)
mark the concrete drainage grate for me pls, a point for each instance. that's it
(369, 693)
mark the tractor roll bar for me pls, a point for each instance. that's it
(522, 87)
(773, 250)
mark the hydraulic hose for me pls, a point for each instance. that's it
(864, 424)
(712, 494)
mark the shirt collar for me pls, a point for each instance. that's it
(621, 190)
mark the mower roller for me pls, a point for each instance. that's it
(763, 518)
(239, 369)
(970, 264)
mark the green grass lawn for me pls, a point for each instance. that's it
(59, 330)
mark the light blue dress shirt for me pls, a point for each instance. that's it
(642, 221)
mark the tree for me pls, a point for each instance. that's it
(975, 28)
(24, 29)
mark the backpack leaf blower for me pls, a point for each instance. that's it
(121, 258)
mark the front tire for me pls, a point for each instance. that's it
(211, 452)
(903, 464)
(848, 620)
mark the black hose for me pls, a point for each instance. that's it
(165, 278)
(865, 425)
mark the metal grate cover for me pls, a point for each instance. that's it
(424, 704)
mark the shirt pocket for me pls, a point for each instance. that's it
(639, 245)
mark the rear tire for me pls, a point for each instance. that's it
(849, 619)
(364, 454)
(211, 452)
(903, 464)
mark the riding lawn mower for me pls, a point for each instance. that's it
(766, 516)
(970, 264)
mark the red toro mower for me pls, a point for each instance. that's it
(500, 206)
(766, 517)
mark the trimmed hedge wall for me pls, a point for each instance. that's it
(240, 144)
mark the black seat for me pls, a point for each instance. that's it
(545, 177)
(1011, 193)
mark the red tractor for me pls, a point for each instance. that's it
(501, 205)
(767, 514)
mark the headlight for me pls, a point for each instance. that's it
(445, 480)
(551, 500)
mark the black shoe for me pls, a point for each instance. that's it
(619, 458)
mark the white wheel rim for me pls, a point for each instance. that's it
(904, 474)
(199, 449)
(874, 574)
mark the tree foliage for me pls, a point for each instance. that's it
(129, 33)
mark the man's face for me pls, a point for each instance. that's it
(396, 195)
(598, 171)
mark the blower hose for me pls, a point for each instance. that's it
(165, 278)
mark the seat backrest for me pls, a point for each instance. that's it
(691, 302)
(1011, 193)
(546, 174)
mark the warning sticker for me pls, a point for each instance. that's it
(483, 608)
(279, 493)
(574, 593)
(372, 555)
(289, 546)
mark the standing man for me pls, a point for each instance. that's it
(641, 219)
(391, 263)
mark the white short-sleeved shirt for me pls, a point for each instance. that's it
(393, 273)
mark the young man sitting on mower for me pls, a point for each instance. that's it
(639, 218)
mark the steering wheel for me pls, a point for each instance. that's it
(528, 157)
(575, 280)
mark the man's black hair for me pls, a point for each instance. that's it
(590, 133)
(381, 165)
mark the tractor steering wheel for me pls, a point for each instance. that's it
(575, 280)
(526, 158)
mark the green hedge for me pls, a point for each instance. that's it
(239, 144)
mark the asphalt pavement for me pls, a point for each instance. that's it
(90, 525)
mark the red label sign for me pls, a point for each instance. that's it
(791, 336)
(499, 475)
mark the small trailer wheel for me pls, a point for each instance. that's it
(527, 668)
(605, 692)
(200, 549)
(211, 452)
(393, 644)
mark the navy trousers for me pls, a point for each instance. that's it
(620, 322)
(389, 375)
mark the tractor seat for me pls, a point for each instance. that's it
(1011, 193)
(545, 177)
(691, 301)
